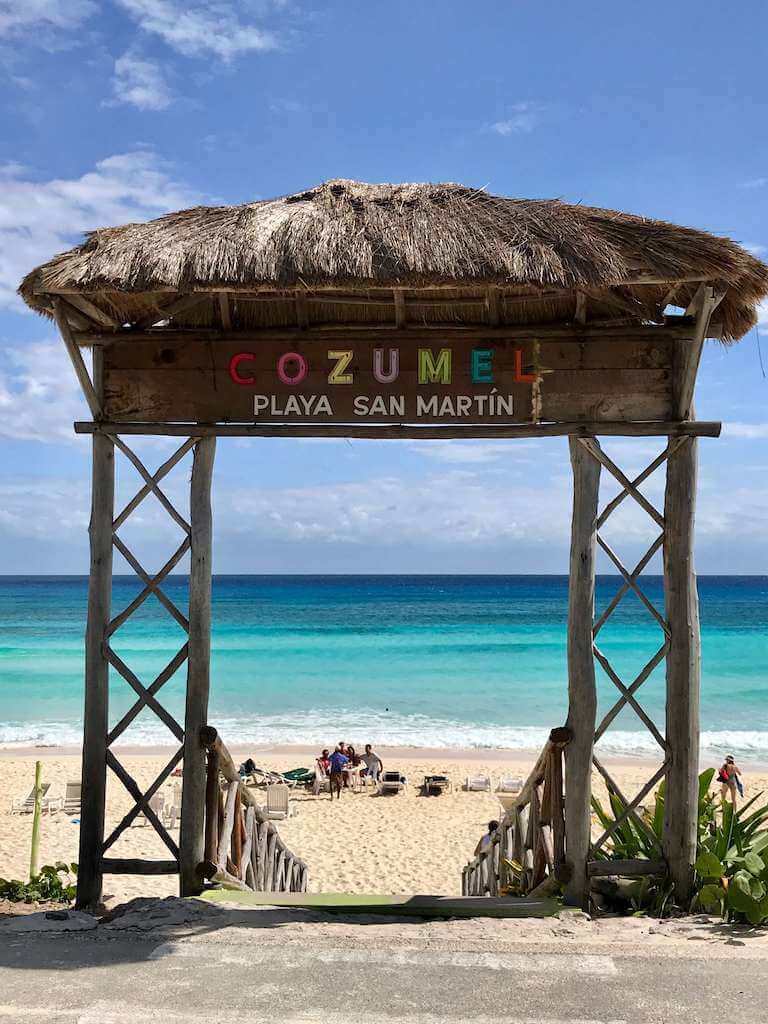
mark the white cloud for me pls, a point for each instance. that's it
(754, 183)
(223, 29)
(140, 83)
(524, 117)
(40, 397)
(41, 218)
(43, 21)
(472, 452)
(746, 431)
(755, 248)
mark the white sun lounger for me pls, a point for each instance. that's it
(278, 802)
(392, 782)
(26, 805)
(509, 784)
(72, 797)
(477, 784)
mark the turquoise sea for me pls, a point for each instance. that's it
(438, 661)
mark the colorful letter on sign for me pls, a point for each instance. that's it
(482, 371)
(434, 371)
(338, 374)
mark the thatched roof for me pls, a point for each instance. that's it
(424, 238)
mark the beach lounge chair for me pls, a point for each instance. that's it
(509, 784)
(434, 785)
(392, 782)
(72, 797)
(477, 784)
(278, 802)
(252, 775)
(26, 805)
(299, 777)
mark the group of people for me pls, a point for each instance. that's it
(344, 755)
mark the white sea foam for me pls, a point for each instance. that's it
(318, 728)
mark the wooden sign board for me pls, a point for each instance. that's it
(367, 382)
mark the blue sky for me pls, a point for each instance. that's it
(118, 110)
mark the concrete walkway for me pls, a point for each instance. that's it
(184, 962)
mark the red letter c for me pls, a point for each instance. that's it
(234, 363)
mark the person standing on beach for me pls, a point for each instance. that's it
(337, 761)
(728, 776)
(373, 764)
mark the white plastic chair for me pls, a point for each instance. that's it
(278, 802)
(322, 783)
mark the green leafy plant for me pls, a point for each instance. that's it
(54, 884)
(732, 865)
(732, 855)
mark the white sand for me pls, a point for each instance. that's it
(363, 843)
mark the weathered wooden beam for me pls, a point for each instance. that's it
(683, 669)
(680, 329)
(182, 305)
(224, 312)
(96, 712)
(409, 431)
(580, 313)
(630, 806)
(76, 357)
(582, 693)
(400, 311)
(633, 868)
(192, 836)
(137, 866)
(91, 311)
(687, 358)
(142, 805)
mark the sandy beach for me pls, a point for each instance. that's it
(363, 843)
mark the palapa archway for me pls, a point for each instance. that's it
(360, 310)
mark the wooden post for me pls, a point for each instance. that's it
(683, 670)
(192, 835)
(95, 717)
(582, 697)
(34, 852)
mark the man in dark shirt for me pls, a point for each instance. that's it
(337, 762)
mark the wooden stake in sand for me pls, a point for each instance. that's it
(34, 853)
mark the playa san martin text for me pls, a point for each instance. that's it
(292, 370)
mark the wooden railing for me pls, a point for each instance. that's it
(243, 849)
(526, 853)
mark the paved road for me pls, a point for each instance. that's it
(69, 979)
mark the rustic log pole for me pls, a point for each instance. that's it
(618, 428)
(225, 833)
(582, 695)
(683, 670)
(212, 805)
(245, 861)
(192, 835)
(237, 838)
(558, 818)
(261, 872)
(96, 714)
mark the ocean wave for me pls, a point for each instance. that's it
(323, 727)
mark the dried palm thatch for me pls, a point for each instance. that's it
(443, 243)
